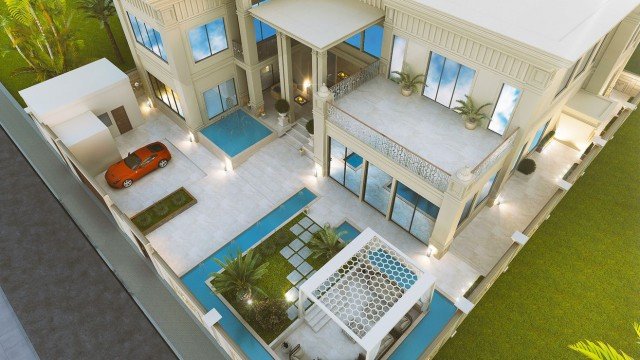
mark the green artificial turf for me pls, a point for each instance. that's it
(634, 62)
(577, 278)
(96, 46)
(164, 210)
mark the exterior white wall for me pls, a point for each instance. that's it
(96, 153)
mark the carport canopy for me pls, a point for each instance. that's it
(319, 24)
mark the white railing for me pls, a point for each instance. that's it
(434, 175)
(496, 155)
(356, 80)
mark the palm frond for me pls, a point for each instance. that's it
(598, 351)
(240, 275)
(326, 243)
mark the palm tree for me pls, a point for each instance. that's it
(407, 82)
(600, 350)
(240, 275)
(102, 10)
(326, 243)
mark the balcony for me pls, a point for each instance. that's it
(266, 49)
(419, 134)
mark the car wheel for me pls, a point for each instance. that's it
(163, 163)
(127, 183)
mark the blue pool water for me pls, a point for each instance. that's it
(350, 232)
(195, 279)
(442, 310)
(236, 132)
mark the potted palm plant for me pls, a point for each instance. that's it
(471, 113)
(408, 84)
(326, 243)
(282, 107)
(240, 276)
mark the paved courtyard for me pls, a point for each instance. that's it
(229, 202)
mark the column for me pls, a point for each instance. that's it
(318, 68)
(250, 58)
(182, 81)
(321, 100)
(612, 59)
(450, 210)
(387, 47)
(286, 71)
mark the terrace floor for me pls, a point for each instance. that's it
(230, 202)
(488, 236)
(421, 125)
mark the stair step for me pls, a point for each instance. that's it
(319, 325)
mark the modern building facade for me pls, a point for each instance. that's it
(546, 70)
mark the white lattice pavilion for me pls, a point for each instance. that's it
(367, 288)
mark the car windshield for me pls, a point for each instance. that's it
(132, 161)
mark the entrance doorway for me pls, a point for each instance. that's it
(122, 119)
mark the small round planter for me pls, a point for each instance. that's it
(406, 91)
(283, 119)
(470, 125)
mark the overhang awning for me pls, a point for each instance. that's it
(590, 108)
(319, 24)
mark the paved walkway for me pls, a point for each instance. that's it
(14, 342)
(187, 339)
(487, 237)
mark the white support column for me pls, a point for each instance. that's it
(373, 352)
(301, 299)
(318, 68)
(450, 210)
(286, 71)
(250, 58)
(320, 143)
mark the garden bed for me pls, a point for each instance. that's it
(275, 282)
(164, 210)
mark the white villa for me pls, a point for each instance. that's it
(433, 204)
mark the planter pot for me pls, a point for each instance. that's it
(283, 119)
(406, 92)
(470, 125)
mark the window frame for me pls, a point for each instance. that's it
(515, 107)
(153, 31)
(455, 85)
(363, 39)
(211, 53)
(235, 89)
(155, 86)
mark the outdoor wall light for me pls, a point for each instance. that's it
(289, 297)
(192, 137)
(149, 103)
(499, 200)
(306, 85)
(317, 170)
(431, 250)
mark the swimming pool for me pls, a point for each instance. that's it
(349, 231)
(195, 279)
(236, 132)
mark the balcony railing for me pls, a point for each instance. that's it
(434, 175)
(501, 151)
(356, 80)
(266, 49)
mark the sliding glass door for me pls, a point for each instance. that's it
(378, 188)
(346, 167)
(414, 213)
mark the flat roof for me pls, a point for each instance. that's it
(79, 128)
(319, 24)
(71, 86)
(425, 127)
(566, 28)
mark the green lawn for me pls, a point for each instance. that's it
(634, 62)
(96, 46)
(274, 283)
(577, 278)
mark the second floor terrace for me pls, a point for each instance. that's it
(425, 137)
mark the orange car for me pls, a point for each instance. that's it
(137, 164)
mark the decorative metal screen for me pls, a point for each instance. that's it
(365, 287)
(435, 176)
(354, 81)
(501, 151)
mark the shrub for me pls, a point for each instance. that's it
(309, 127)
(269, 313)
(282, 106)
(179, 198)
(326, 243)
(161, 209)
(267, 248)
(527, 166)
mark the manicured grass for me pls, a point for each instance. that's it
(96, 46)
(274, 283)
(634, 62)
(577, 278)
(164, 210)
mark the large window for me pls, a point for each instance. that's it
(486, 189)
(220, 98)
(447, 81)
(369, 41)
(397, 55)
(263, 31)
(166, 95)
(208, 40)
(505, 106)
(378, 188)
(414, 213)
(346, 167)
(538, 136)
(147, 36)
